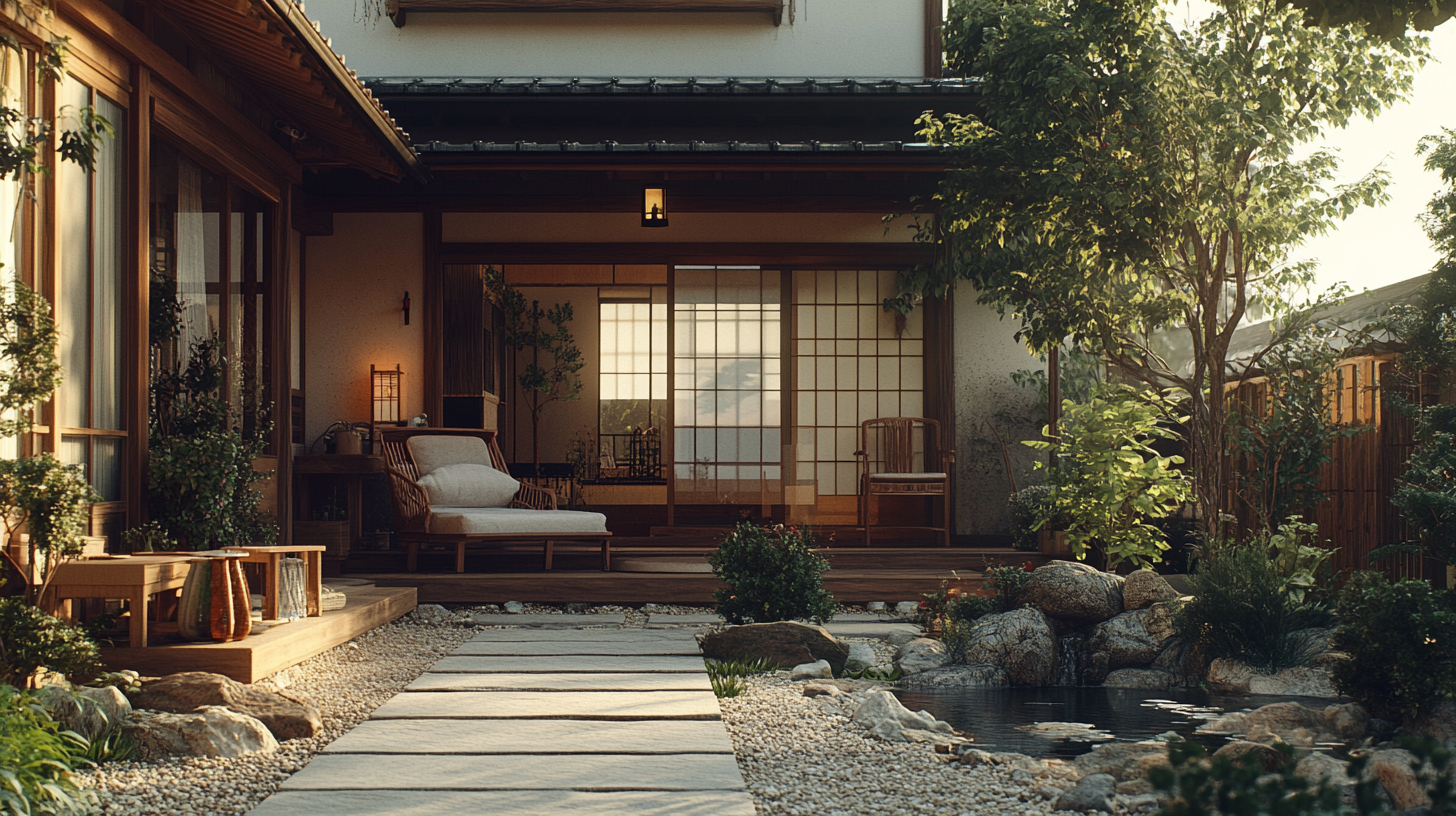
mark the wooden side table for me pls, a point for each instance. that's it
(133, 579)
(353, 468)
(272, 559)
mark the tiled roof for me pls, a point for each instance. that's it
(912, 148)
(671, 86)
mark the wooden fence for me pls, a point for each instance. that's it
(1356, 516)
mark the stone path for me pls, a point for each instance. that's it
(520, 722)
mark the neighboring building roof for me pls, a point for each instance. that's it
(271, 44)
(1355, 312)
(688, 86)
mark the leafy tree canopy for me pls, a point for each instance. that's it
(1382, 18)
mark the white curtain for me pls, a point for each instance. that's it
(191, 257)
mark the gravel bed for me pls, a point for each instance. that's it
(805, 756)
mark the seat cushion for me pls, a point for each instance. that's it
(907, 477)
(431, 452)
(513, 521)
(469, 485)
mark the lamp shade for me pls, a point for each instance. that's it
(386, 394)
(654, 207)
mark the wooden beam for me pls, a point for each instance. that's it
(934, 45)
(323, 205)
(136, 348)
(434, 316)
(802, 255)
(398, 9)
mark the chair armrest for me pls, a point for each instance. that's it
(947, 458)
(411, 502)
(532, 497)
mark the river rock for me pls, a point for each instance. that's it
(899, 638)
(1319, 765)
(1393, 769)
(211, 731)
(1244, 752)
(882, 715)
(813, 689)
(1093, 792)
(818, 670)
(1074, 592)
(1122, 760)
(1294, 723)
(875, 606)
(921, 654)
(980, 675)
(971, 757)
(861, 657)
(1139, 679)
(1143, 588)
(1126, 640)
(1228, 676)
(1159, 621)
(1020, 641)
(514, 607)
(785, 643)
(1438, 721)
(286, 714)
(87, 711)
(907, 609)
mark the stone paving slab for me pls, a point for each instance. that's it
(553, 621)
(505, 803)
(533, 737)
(698, 772)
(580, 649)
(569, 663)
(870, 630)
(582, 636)
(868, 617)
(591, 705)
(597, 681)
(657, 620)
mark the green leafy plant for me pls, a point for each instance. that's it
(889, 675)
(1401, 639)
(36, 761)
(149, 537)
(113, 744)
(726, 676)
(1243, 608)
(1031, 508)
(1009, 583)
(30, 639)
(1110, 482)
(51, 500)
(772, 574)
(1297, 557)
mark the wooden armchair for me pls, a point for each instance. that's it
(421, 523)
(903, 456)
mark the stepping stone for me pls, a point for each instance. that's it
(871, 630)
(605, 772)
(553, 621)
(534, 737)
(589, 705)
(602, 647)
(476, 664)
(505, 803)
(581, 635)
(659, 620)
(867, 617)
(600, 681)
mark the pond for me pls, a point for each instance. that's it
(1004, 719)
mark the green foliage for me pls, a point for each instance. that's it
(1081, 373)
(1401, 638)
(29, 370)
(1009, 583)
(52, 500)
(149, 537)
(889, 675)
(31, 639)
(1243, 608)
(111, 745)
(1284, 447)
(1426, 493)
(726, 676)
(24, 141)
(727, 686)
(201, 477)
(554, 371)
(36, 760)
(1295, 551)
(1110, 482)
(1031, 508)
(772, 574)
(1126, 176)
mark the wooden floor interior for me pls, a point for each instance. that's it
(274, 649)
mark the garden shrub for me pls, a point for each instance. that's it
(36, 760)
(30, 639)
(1242, 608)
(1031, 507)
(1009, 583)
(773, 574)
(1401, 639)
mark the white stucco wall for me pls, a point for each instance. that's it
(354, 283)
(827, 38)
(986, 353)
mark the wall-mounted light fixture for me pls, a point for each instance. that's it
(654, 207)
(405, 305)
(386, 395)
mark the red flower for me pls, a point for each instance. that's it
(1029, 567)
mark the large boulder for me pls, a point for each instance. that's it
(1092, 792)
(1074, 592)
(1246, 752)
(921, 654)
(1143, 588)
(1294, 724)
(1126, 640)
(980, 675)
(785, 643)
(882, 715)
(285, 714)
(1122, 760)
(1159, 621)
(1395, 770)
(1227, 676)
(87, 711)
(1438, 721)
(211, 731)
(861, 656)
(1139, 679)
(1021, 642)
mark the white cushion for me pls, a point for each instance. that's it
(907, 477)
(468, 485)
(513, 520)
(431, 452)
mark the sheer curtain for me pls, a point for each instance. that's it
(192, 254)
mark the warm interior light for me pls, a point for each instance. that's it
(654, 207)
(386, 394)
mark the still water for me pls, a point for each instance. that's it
(1004, 719)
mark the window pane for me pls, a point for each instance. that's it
(73, 290)
(108, 218)
(106, 468)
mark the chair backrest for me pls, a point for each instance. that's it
(901, 444)
(417, 451)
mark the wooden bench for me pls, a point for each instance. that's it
(420, 524)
